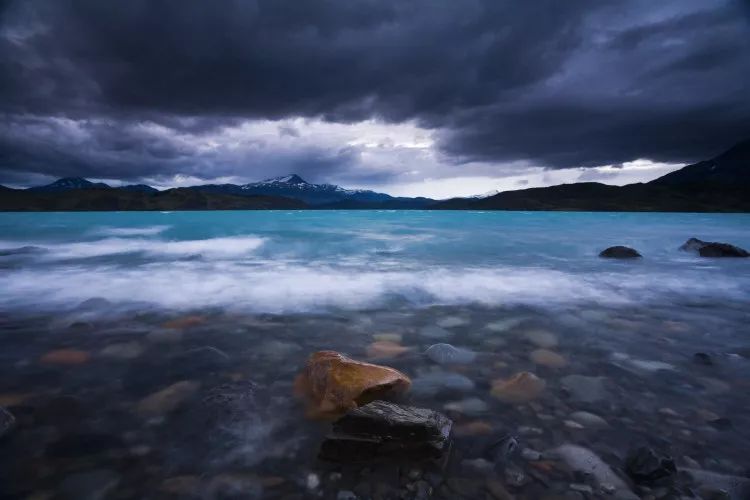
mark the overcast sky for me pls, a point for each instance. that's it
(410, 97)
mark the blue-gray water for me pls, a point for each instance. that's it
(199, 302)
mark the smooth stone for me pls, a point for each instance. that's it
(737, 487)
(550, 359)
(383, 430)
(7, 421)
(433, 383)
(312, 481)
(584, 460)
(702, 359)
(451, 322)
(585, 389)
(479, 465)
(503, 325)
(714, 386)
(646, 466)
(385, 349)
(277, 349)
(497, 490)
(650, 365)
(184, 322)
(389, 337)
(587, 419)
(476, 428)
(446, 354)
(620, 252)
(434, 332)
(167, 400)
(65, 357)
(333, 384)
(346, 495)
(570, 424)
(470, 407)
(92, 485)
(521, 388)
(541, 338)
(124, 350)
(713, 248)
(188, 486)
(530, 455)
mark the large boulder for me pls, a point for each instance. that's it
(381, 430)
(333, 384)
(713, 249)
(619, 252)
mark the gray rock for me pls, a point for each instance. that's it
(620, 252)
(713, 249)
(382, 430)
(738, 488)
(584, 460)
(587, 419)
(7, 421)
(647, 466)
(346, 495)
(446, 354)
(470, 406)
(433, 383)
(92, 485)
(585, 389)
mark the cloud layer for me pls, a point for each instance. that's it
(366, 91)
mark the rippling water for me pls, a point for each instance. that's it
(204, 299)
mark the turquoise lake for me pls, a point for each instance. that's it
(153, 355)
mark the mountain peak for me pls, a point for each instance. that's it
(288, 179)
(70, 183)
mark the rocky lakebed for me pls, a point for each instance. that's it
(105, 402)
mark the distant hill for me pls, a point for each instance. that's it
(718, 185)
(107, 199)
(68, 183)
(318, 195)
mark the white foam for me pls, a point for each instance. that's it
(274, 287)
(131, 231)
(216, 248)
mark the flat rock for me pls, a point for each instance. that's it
(550, 359)
(713, 249)
(620, 252)
(434, 383)
(587, 419)
(7, 421)
(738, 488)
(333, 384)
(585, 389)
(469, 406)
(541, 338)
(168, 399)
(383, 430)
(521, 388)
(386, 349)
(446, 354)
(124, 350)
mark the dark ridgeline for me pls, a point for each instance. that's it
(721, 184)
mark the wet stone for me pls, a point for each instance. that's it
(550, 359)
(435, 332)
(588, 419)
(446, 354)
(646, 466)
(585, 389)
(520, 388)
(431, 384)
(124, 350)
(619, 252)
(541, 338)
(382, 430)
(703, 359)
(168, 399)
(469, 406)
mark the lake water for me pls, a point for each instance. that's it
(142, 301)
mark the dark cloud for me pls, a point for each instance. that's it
(137, 89)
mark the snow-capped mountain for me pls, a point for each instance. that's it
(294, 186)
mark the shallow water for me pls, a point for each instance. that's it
(254, 293)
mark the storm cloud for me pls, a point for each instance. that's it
(247, 89)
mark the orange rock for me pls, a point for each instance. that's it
(520, 388)
(548, 358)
(184, 322)
(333, 384)
(65, 357)
(385, 349)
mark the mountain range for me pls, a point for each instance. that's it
(721, 184)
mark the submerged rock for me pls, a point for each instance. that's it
(434, 332)
(184, 322)
(520, 388)
(541, 338)
(713, 249)
(584, 460)
(469, 406)
(124, 350)
(545, 357)
(434, 383)
(67, 357)
(646, 466)
(7, 421)
(585, 389)
(382, 430)
(91, 485)
(333, 384)
(386, 349)
(620, 252)
(168, 399)
(735, 487)
(588, 419)
(446, 354)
